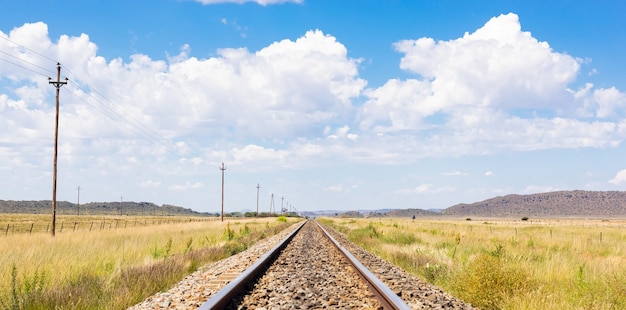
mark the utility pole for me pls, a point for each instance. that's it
(57, 84)
(222, 168)
(282, 199)
(272, 205)
(78, 205)
(258, 186)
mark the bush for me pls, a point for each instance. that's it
(488, 281)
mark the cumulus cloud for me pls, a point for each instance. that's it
(295, 102)
(493, 89)
(619, 178)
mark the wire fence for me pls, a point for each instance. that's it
(92, 225)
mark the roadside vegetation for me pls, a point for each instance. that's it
(522, 264)
(113, 268)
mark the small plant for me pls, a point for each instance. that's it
(372, 230)
(188, 246)
(282, 219)
(498, 252)
(23, 293)
(164, 252)
(230, 234)
(245, 230)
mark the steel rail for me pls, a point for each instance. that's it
(223, 297)
(385, 295)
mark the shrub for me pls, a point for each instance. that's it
(488, 281)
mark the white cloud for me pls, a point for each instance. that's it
(454, 173)
(497, 88)
(425, 189)
(150, 183)
(619, 178)
(186, 186)
(335, 188)
(297, 103)
(489, 174)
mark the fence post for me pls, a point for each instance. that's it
(91, 226)
(7, 232)
(74, 226)
(31, 228)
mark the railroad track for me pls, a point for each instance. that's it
(308, 267)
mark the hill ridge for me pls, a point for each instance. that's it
(556, 203)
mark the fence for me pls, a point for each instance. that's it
(92, 225)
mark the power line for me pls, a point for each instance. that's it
(115, 113)
(23, 67)
(30, 50)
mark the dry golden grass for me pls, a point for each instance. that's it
(41, 270)
(507, 264)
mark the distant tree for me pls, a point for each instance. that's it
(525, 218)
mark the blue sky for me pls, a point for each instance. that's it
(347, 105)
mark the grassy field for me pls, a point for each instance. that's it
(499, 264)
(107, 265)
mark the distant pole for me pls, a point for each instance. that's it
(272, 205)
(222, 168)
(282, 199)
(258, 186)
(57, 84)
(78, 203)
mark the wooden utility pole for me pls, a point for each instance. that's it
(222, 168)
(258, 186)
(57, 84)
(78, 204)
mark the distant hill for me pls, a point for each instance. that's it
(552, 204)
(95, 208)
(402, 213)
